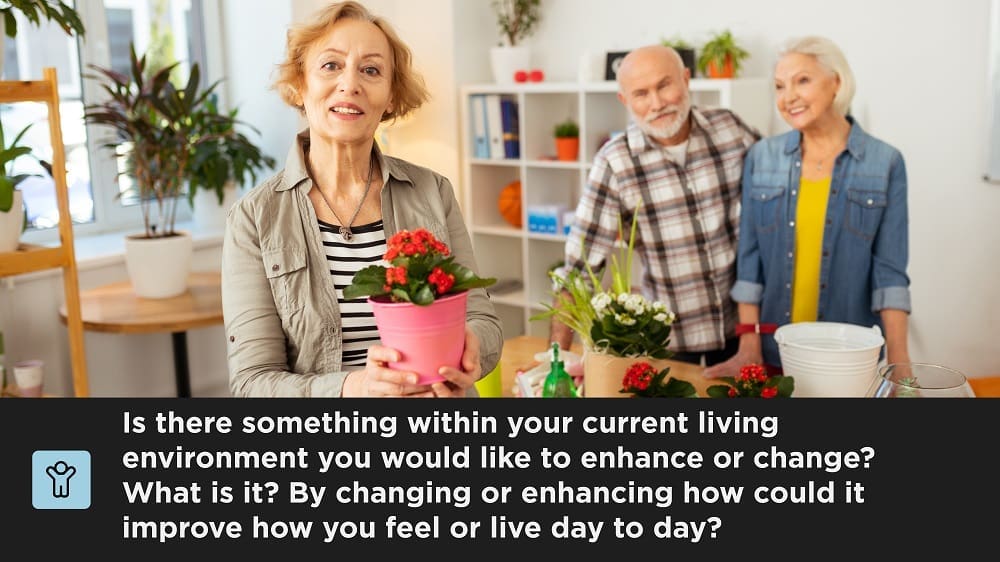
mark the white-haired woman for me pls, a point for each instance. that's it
(823, 229)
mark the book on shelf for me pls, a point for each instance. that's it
(511, 136)
(494, 125)
(480, 136)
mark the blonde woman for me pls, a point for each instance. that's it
(823, 226)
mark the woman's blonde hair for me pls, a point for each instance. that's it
(408, 90)
(830, 57)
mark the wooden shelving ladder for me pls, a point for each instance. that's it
(28, 258)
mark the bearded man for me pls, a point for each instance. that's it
(684, 165)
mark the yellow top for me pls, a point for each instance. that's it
(810, 216)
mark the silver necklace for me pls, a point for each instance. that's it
(345, 229)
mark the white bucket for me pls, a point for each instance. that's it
(829, 359)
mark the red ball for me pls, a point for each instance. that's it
(536, 75)
(520, 76)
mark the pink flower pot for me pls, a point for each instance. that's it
(427, 337)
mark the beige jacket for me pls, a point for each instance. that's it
(281, 314)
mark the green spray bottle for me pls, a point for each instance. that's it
(558, 383)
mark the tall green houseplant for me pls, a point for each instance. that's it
(230, 156)
(158, 128)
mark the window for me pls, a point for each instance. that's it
(167, 30)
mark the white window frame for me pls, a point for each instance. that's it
(110, 215)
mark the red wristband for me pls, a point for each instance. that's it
(755, 329)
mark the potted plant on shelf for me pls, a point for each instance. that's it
(218, 167)
(13, 219)
(157, 128)
(419, 302)
(685, 50)
(567, 136)
(722, 57)
(516, 20)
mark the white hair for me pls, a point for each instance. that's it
(831, 58)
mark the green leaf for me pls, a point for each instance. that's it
(6, 194)
(424, 296)
(718, 391)
(786, 385)
(679, 388)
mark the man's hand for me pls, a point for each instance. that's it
(731, 367)
(561, 334)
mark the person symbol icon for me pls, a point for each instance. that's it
(60, 473)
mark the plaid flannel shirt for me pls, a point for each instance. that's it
(687, 228)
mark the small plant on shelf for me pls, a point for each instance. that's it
(567, 129)
(722, 57)
(567, 136)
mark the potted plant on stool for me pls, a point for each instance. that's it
(721, 57)
(567, 136)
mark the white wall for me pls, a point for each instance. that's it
(254, 44)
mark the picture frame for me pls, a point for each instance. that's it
(614, 60)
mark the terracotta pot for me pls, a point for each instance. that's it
(428, 337)
(568, 148)
(603, 373)
(725, 72)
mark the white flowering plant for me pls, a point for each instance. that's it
(628, 325)
(615, 321)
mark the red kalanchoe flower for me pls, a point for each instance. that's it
(752, 382)
(638, 376)
(642, 379)
(753, 373)
(442, 281)
(419, 268)
(395, 275)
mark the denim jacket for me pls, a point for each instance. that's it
(865, 240)
(281, 316)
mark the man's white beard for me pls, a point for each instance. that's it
(667, 131)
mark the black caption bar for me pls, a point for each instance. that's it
(498, 476)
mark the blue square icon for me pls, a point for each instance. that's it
(60, 479)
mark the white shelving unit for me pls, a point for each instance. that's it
(506, 252)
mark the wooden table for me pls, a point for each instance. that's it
(116, 309)
(519, 354)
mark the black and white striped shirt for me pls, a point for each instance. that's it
(347, 258)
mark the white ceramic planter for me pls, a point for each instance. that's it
(508, 60)
(11, 224)
(158, 267)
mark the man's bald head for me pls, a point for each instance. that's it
(653, 85)
(639, 61)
